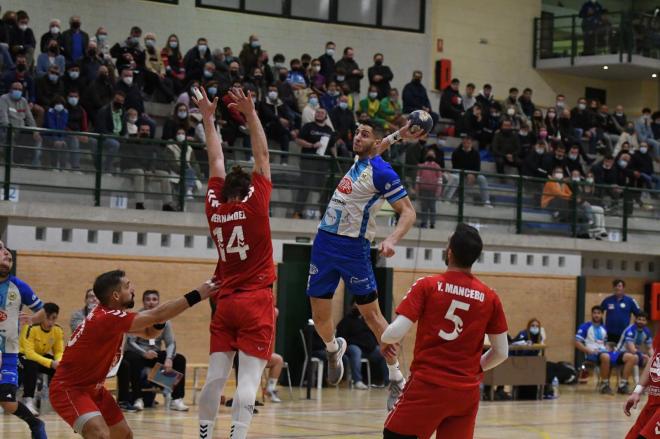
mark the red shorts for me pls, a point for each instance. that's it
(77, 405)
(648, 423)
(244, 322)
(424, 409)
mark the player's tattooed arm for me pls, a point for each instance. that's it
(245, 105)
(213, 139)
(407, 217)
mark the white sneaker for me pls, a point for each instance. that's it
(29, 403)
(488, 205)
(139, 404)
(360, 385)
(178, 405)
(272, 394)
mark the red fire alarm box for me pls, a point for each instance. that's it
(442, 74)
(655, 301)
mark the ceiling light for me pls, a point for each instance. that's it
(605, 67)
(654, 75)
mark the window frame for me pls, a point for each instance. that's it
(332, 19)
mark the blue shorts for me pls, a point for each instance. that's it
(614, 357)
(9, 369)
(336, 256)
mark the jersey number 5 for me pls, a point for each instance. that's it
(458, 322)
(236, 243)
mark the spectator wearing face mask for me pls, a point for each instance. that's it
(48, 58)
(557, 196)
(72, 80)
(645, 132)
(102, 43)
(594, 214)
(21, 38)
(582, 119)
(371, 106)
(642, 166)
(428, 187)
(566, 132)
(380, 75)
(110, 121)
(54, 33)
(20, 73)
(526, 105)
(628, 136)
(506, 148)
(266, 69)
(492, 124)
(179, 119)
(309, 112)
(556, 158)
(130, 45)
(328, 61)
(92, 61)
(527, 140)
(485, 98)
(316, 80)
(127, 85)
(49, 86)
(390, 110)
(620, 119)
(250, 53)
(74, 40)
(155, 78)
(606, 127)
(513, 116)
(258, 83)
(274, 117)
(551, 122)
(343, 121)
(195, 59)
(173, 62)
(354, 73)
(532, 165)
(451, 102)
(57, 118)
(99, 92)
(15, 111)
(655, 125)
(572, 162)
(537, 122)
(512, 101)
(469, 99)
(468, 159)
(79, 122)
(229, 55)
(474, 123)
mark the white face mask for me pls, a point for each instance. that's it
(316, 68)
(149, 43)
(128, 80)
(340, 78)
(643, 149)
(272, 95)
(180, 137)
(534, 330)
(58, 107)
(540, 150)
(558, 175)
(582, 106)
(201, 48)
(373, 95)
(23, 27)
(510, 111)
(54, 30)
(573, 156)
(590, 180)
(133, 120)
(560, 104)
(575, 178)
(330, 52)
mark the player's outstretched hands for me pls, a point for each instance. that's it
(208, 288)
(201, 99)
(242, 102)
(386, 248)
(631, 403)
(405, 133)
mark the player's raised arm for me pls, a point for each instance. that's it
(245, 105)
(213, 140)
(402, 134)
(407, 217)
(171, 308)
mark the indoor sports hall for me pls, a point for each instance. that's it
(543, 135)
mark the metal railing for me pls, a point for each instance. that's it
(616, 33)
(97, 166)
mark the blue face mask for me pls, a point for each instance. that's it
(73, 101)
(74, 74)
(16, 94)
(313, 102)
(52, 77)
(343, 105)
(212, 91)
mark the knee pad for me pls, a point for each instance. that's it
(387, 434)
(367, 298)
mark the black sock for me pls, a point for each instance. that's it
(25, 414)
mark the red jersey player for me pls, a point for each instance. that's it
(76, 392)
(648, 421)
(237, 210)
(455, 310)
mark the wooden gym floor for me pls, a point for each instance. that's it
(344, 413)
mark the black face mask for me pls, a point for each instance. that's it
(283, 77)
(21, 67)
(75, 25)
(305, 65)
(417, 80)
(378, 62)
(117, 105)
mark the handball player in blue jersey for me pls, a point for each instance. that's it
(342, 245)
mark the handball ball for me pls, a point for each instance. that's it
(420, 120)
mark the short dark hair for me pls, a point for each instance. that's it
(466, 245)
(646, 110)
(305, 56)
(237, 184)
(455, 81)
(596, 308)
(378, 54)
(616, 282)
(470, 85)
(643, 314)
(369, 123)
(488, 86)
(512, 89)
(346, 49)
(608, 156)
(149, 293)
(136, 29)
(106, 283)
(330, 42)
(119, 93)
(527, 89)
(51, 308)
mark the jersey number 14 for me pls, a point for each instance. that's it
(236, 243)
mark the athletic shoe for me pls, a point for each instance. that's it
(39, 430)
(272, 394)
(360, 385)
(127, 407)
(623, 390)
(139, 404)
(29, 403)
(335, 365)
(605, 389)
(178, 405)
(488, 205)
(395, 389)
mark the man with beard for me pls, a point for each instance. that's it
(77, 392)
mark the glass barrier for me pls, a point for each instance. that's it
(142, 173)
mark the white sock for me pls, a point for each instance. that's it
(332, 346)
(272, 383)
(395, 372)
(205, 429)
(238, 430)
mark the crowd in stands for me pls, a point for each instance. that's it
(83, 80)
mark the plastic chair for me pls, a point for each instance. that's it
(314, 360)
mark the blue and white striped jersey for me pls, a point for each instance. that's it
(593, 336)
(638, 336)
(359, 196)
(14, 293)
